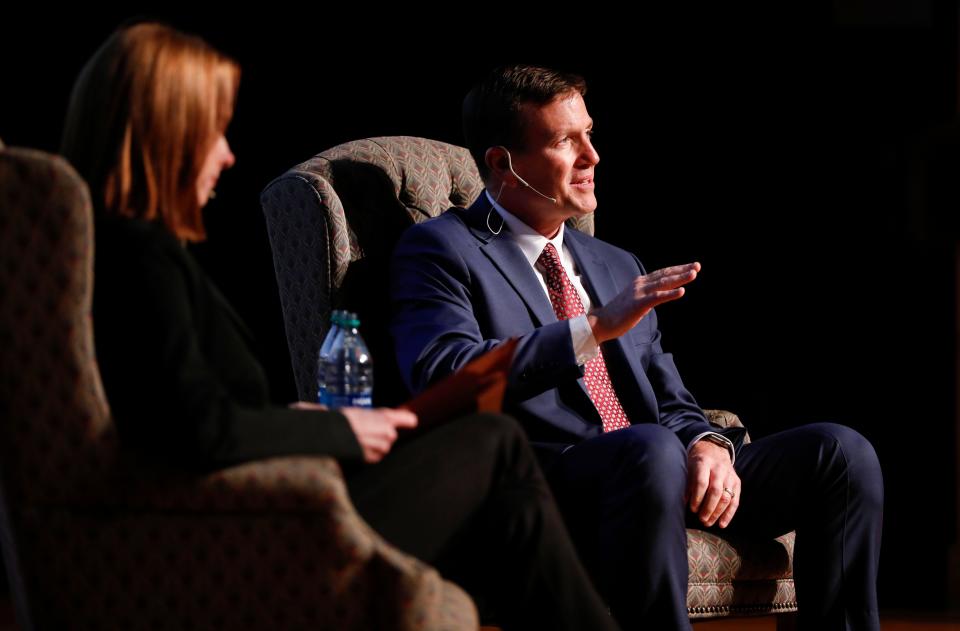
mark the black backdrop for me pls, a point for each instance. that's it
(806, 156)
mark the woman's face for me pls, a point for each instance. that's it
(218, 158)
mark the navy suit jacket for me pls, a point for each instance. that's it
(458, 289)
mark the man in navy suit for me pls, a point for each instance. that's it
(629, 453)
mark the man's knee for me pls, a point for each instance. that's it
(655, 459)
(652, 447)
(850, 454)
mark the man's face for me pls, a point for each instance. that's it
(558, 158)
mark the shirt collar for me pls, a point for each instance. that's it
(530, 241)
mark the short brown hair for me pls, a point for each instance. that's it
(491, 111)
(143, 114)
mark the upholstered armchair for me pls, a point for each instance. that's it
(333, 221)
(95, 539)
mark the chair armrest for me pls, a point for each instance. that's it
(724, 419)
(301, 484)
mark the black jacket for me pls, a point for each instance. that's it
(176, 361)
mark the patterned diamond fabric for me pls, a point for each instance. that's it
(742, 577)
(47, 364)
(96, 540)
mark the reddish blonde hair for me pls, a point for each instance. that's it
(143, 114)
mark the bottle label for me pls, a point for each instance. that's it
(360, 400)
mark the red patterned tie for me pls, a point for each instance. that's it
(566, 304)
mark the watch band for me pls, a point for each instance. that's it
(723, 441)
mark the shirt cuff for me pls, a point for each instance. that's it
(726, 441)
(585, 346)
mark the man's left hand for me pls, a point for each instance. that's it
(713, 487)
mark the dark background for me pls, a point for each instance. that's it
(807, 155)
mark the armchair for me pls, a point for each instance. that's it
(95, 539)
(333, 221)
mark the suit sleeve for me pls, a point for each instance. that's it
(436, 331)
(677, 409)
(164, 387)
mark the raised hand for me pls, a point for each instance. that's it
(646, 292)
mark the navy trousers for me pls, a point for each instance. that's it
(622, 496)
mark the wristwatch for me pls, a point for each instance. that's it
(723, 441)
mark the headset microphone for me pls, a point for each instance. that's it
(523, 181)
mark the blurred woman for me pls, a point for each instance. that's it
(146, 128)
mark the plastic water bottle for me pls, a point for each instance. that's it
(349, 368)
(336, 328)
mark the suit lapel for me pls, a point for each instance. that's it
(594, 272)
(509, 259)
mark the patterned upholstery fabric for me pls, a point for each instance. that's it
(93, 539)
(350, 203)
(47, 359)
(739, 577)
